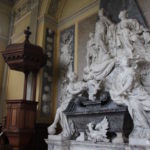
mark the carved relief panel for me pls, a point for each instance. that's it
(66, 59)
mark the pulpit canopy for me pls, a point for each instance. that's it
(25, 56)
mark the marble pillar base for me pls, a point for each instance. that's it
(86, 145)
(57, 138)
(139, 142)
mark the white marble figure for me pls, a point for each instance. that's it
(65, 64)
(123, 41)
(73, 88)
(111, 40)
(91, 50)
(95, 75)
(99, 61)
(127, 89)
(123, 35)
(92, 85)
(65, 56)
(97, 133)
(117, 56)
(131, 37)
(100, 30)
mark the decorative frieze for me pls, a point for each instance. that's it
(24, 8)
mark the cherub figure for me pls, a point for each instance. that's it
(101, 29)
(92, 85)
(129, 35)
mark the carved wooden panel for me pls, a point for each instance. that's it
(14, 117)
(20, 122)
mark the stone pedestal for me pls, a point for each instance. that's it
(86, 145)
(140, 141)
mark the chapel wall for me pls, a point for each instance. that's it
(144, 6)
(24, 14)
(82, 19)
(80, 14)
(69, 14)
(5, 10)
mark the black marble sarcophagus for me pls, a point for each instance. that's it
(82, 111)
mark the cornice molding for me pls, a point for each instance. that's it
(18, 3)
(80, 12)
(21, 9)
(49, 19)
(23, 17)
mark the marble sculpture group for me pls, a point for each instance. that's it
(118, 56)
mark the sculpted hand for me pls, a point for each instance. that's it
(52, 129)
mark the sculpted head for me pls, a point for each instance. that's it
(101, 12)
(72, 76)
(86, 70)
(123, 14)
(90, 125)
(91, 35)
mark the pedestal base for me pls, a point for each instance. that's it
(20, 124)
(57, 137)
(139, 142)
(86, 145)
(118, 139)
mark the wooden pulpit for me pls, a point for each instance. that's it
(21, 114)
